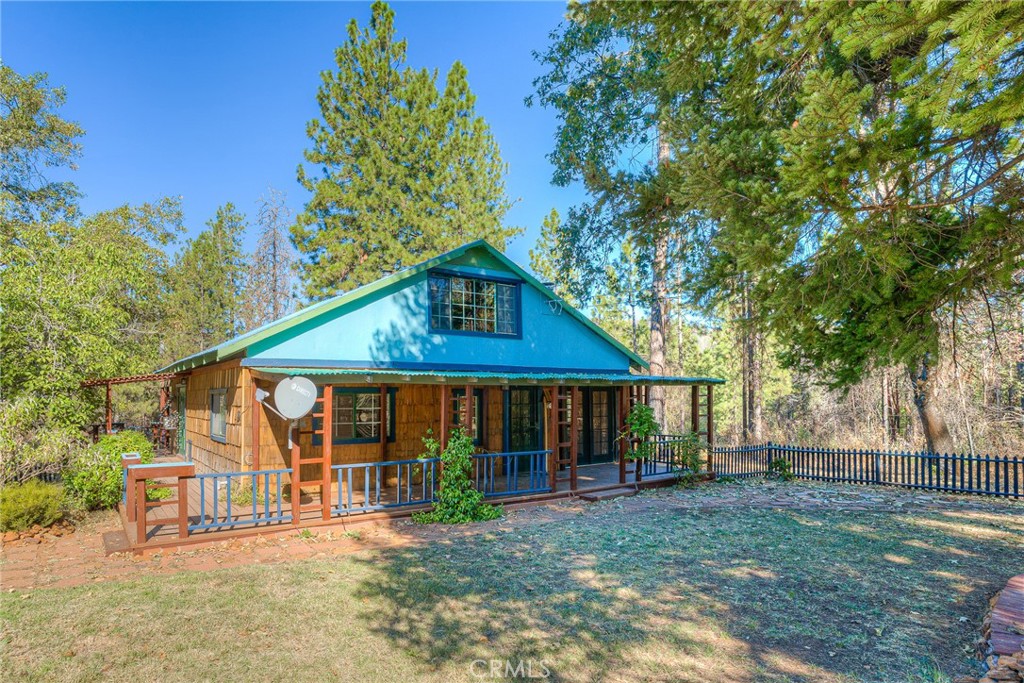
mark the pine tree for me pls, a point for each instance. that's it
(205, 283)
(405, 172)
(547, 259)
(862, 162)
(608, 87)
(269, 287)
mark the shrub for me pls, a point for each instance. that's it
(458, 501)
(33, 502)
(687, 458)
(779, 468)
(93, 480)
(31, 444)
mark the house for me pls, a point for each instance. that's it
(465, 340)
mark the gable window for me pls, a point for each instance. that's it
(478, 412)
(472, 304)
(219, 415)
(357, 416)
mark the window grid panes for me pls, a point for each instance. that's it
(472, 305)
(478, 412)
(356, 416)
(218, 414)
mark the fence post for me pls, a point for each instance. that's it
(770, 450)
(878, 467)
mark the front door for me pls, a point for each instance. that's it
(524, 419)
(597, 432)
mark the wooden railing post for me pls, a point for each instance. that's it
(139, 483)
(183, 506)
(127, 460)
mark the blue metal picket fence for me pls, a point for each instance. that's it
(218, 507)
(506, 474)
(951, 473)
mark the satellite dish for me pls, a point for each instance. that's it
(294, 397)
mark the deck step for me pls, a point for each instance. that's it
(608, 494)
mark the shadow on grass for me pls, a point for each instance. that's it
(691, 595)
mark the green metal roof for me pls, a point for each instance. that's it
(382, 376)
(239, 344)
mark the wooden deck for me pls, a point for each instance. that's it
(165, 531)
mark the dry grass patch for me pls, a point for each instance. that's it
(667, 595)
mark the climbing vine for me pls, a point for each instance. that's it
(640, 426)
(458, 501)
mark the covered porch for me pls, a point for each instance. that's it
(537, 436)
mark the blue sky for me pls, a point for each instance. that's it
(209, 101)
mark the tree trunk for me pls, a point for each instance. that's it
(753, 429)
(659, 319)
(936, 432)
(659, 305)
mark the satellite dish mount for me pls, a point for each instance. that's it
(294, 397)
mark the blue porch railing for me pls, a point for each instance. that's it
(506, 474)
(664, 459)
(415, 482)
(215, 513)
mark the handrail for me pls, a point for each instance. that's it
(270, 513)
(487, 479)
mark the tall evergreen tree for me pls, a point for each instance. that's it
(862, 162)
(269, 287)
(404, 172)
(606, 81)
(547, 259)
(205, 283)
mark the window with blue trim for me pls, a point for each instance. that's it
(472, 304)
(357, 416)
(219, 415)
(478, 412)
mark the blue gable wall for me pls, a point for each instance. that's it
(391, 330)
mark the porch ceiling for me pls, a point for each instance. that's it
(388, 376)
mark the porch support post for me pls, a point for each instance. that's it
(255, 416)
(573, 435)
(293, 437)
(445, 407)
(467, 407)
(623, 436)
(552, 393)
(384, 417)
(328, 443)
(110, 411)
(695, 409)
(711, 425)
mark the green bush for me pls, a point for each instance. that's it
(33, 502)
(458, 501)
(93, 480)
(32, 443)
(687, 458)
(779, 468)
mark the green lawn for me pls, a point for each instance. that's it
(607, 595)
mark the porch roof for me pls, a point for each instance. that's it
(389, 376)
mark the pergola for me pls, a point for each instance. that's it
(109, 382)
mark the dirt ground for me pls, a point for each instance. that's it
(78, 558)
